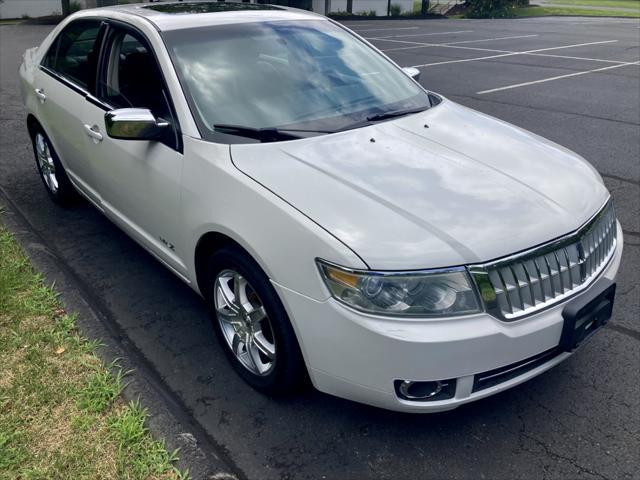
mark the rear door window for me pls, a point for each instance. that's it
(74, 54)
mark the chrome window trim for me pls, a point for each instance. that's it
(64, 80)
(480, 271)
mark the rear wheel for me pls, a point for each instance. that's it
(251, 323)
(52, 172)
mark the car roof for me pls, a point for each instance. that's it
(195, 13)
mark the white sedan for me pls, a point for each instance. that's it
(344, 225)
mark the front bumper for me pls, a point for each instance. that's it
(358, 356)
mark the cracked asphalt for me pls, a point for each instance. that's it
(579, 420)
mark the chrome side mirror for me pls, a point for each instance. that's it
(413, 72)
(134, 124)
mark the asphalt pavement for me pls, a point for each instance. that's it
(573, 80)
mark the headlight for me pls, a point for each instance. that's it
(434, 293)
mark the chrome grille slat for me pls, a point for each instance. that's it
(555, 254)
(594, 253)
(539, 273)
(530, 282)
(567, 278)
(536, 279)
(553, 287)
(517, 287)
(583, 263)
(506, 291)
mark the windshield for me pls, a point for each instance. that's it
(310, 76)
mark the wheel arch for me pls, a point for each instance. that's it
(32, 124)
(207, 244)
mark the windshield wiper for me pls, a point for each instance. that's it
(382, 116)
(394, 113)
(267, 134)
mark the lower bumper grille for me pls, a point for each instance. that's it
(500, 375)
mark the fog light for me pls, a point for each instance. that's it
(425, 391)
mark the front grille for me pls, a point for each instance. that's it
(531, 281)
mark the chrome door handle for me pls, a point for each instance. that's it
(40, 94)
(93, 132)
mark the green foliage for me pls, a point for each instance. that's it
(492, 8)
(102, 388)
(140, 455)
(534, 11)
(396, 10)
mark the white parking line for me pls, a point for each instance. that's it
(381, 29)
(569, 57)
(495, 50)
(424, 34)
(524, 84)
(509, 54)
(461, 42)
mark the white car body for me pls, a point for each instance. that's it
(441, 188)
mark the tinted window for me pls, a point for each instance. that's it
(310, 74)
(132, 78)
(74, 53)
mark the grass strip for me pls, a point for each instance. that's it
(61, 411)
(535, 11)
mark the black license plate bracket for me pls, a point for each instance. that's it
(584, 315)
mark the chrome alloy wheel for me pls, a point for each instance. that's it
(244, 322)
(45, 162)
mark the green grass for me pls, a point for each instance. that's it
(601, 3)
(61, 411)
(541, 11)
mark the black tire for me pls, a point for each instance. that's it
(289, 372)
(64, 194)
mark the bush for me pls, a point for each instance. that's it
(491, 8)
(417, 7)
(396, 10)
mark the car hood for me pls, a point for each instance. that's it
(448, 186)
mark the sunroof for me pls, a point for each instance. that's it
(207, 7)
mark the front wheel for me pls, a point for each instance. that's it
(251, 323)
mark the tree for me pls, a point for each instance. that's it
(425, 8)
(66, 7)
